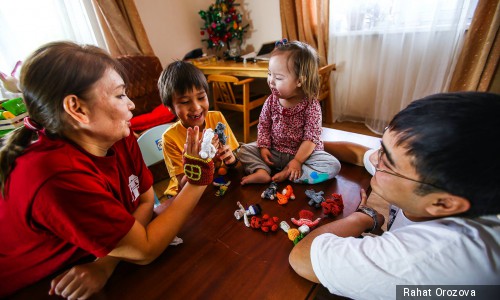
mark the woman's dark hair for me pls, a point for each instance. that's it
(180, 77)
(454, 144)
(48, 75)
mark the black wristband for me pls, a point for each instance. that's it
(370, 212)
(234, 163)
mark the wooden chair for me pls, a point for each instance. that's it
(325, 90)
(224, 98)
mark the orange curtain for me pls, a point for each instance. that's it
(479, 58)
(122, 27)
(306, 21)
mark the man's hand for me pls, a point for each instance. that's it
(380, 217)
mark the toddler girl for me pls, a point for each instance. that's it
(289, 130)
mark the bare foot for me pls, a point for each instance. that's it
(260, 176)
(281, 176)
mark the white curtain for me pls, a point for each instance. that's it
(391, 52)
(27, 24)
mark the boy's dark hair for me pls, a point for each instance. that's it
(180, 77)
(451, 138)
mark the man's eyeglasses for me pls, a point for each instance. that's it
(378, 169)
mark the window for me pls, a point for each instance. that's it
(27, 24)
(374, 16)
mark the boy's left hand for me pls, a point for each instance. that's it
(226, 154)
(295, 169)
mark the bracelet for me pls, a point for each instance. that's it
(198, 171)
(370, 212)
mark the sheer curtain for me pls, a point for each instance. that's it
(27, 24)
(390, 52)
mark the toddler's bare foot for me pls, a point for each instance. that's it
(260, 176)
(281, 176)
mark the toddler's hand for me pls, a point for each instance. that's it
(266, 156)
(295, 169)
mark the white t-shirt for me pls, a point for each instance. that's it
(446, 251)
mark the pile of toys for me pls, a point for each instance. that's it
(332, 206)
(12, 112)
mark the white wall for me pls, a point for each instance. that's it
(173, 26)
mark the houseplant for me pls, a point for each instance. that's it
(223, 26)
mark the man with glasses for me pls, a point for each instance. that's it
(439, 168)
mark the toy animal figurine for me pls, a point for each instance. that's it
(207, 149)
(244, 213)
(270, 192)
(11, 83)
(219, 131)
(294, 235)
(333, 206)
(316, 198)
(286, 194)
(266, 223)
(306, 218)
(222, 185)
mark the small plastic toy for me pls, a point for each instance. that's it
(270, 192)
(222, 185)
(294, 235)
(333, 206)
(266, 223)
(219, 131)
(316, 198)
(305, 218)
(244, 213)
(286, 194)
(207, 149)
(11, 83)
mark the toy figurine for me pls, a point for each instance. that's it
(207, 149)
(333, 206)
(266, 223)
(244, 213)
(294, 235)
(285, 195)
(316, 198)
(219, 131)
(306, 218)
(222, 185)
(11, 83)
(270, 192)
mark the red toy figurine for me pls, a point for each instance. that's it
(306, 218)
(266, 223)
(333, 206)
(285, 195)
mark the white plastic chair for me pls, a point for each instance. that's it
(151, 146)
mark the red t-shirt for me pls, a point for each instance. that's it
(61, 204)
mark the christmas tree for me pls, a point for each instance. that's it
(223, 23)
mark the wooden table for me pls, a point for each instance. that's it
(228, 67)
(223, 259)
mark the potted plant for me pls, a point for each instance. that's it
(223, 26)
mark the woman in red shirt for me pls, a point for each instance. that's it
(73, 181)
